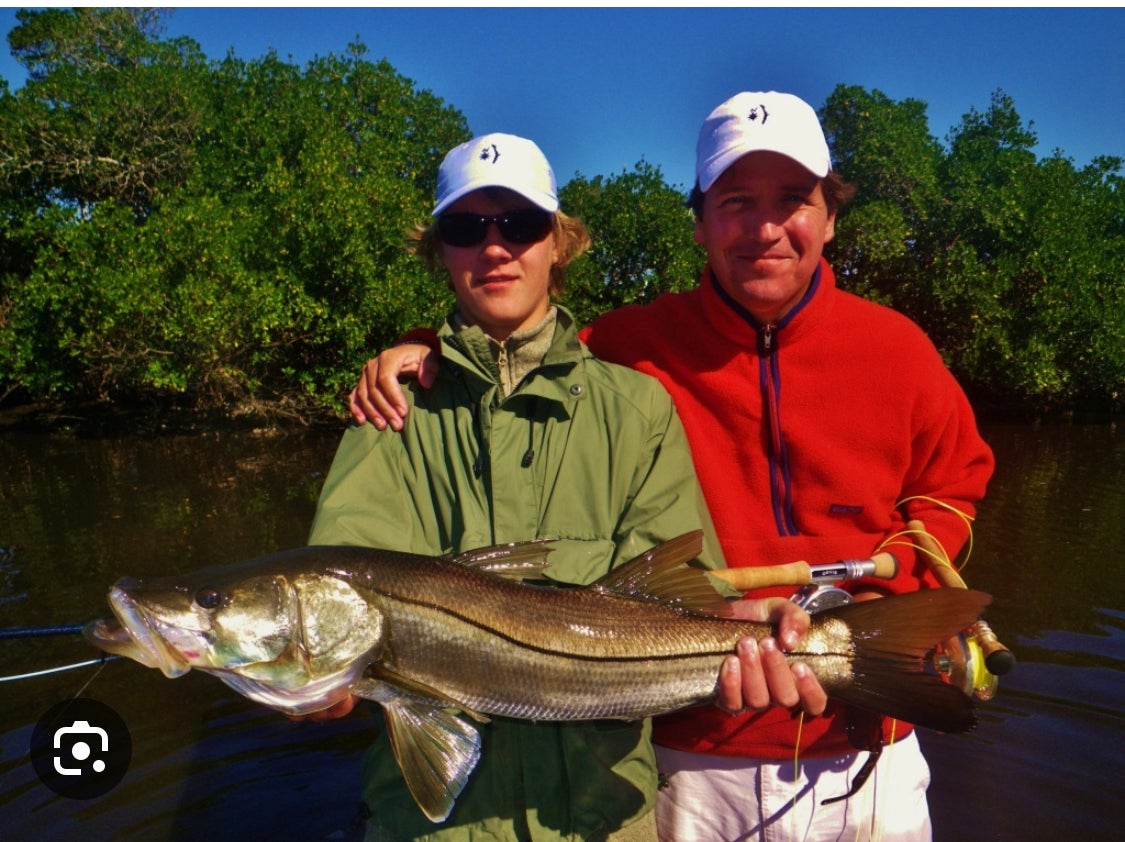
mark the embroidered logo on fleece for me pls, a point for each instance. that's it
(842, 509)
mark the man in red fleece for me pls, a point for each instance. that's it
(819, 424)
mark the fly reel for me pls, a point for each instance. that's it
(960, 661)
(815, 598)
(973, 659)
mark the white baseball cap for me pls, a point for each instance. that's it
(497, 160)
(760, 122)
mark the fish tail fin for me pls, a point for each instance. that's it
(891, 638)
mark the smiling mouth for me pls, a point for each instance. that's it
(755, 256)
(495, 280)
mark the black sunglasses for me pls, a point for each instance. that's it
(470, 229)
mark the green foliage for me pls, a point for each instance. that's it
(250, 251)
(1048, 239)
(1009, 263)
(109, 112)
(886, 149)
(642, 237)
(232, 234)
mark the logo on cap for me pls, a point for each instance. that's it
(753, 115)
(494, 154)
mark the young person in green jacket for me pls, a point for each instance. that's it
(526, 435)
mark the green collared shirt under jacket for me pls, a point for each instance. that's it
(582, 451)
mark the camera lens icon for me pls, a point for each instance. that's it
(81, 749)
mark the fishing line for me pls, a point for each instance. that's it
(48, 631)
(887, 770)
(882, 787)
(101, 661)
(967, 518)
(796, 768)
(60, 714)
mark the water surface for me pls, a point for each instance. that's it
(207, 764)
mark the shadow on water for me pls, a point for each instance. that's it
(207, 764)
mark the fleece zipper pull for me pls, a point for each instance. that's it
(766, 340)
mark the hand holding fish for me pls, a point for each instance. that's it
(338, 711)
(760, 674)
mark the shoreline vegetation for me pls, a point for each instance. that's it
(95, 419)
(188, 243)
(153, 419)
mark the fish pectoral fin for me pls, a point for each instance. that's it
(663, 575)
(369, 688)
(435, 750)
(520, 560)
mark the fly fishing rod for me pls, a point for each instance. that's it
(40, 631)
(816, 581)
(25, 632)
(971, 660)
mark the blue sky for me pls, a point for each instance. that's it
(600, 89)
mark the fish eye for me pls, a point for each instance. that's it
(208, 598)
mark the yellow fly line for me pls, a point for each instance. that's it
(924, 542)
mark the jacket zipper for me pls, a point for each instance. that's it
(769, 372)
(769, 376)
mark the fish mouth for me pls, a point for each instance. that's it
(131, 634)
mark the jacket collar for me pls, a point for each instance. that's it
(737, 324)
(560, 377)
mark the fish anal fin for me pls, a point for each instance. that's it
(663, 575)
(436, 751)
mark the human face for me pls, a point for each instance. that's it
(764, 226)
(502, 287)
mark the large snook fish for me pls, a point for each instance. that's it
(426, 636)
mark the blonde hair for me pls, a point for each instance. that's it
(571, 240)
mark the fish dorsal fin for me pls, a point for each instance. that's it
(435, 750)
(662, 575)
(519, 560)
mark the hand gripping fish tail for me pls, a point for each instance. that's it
(444, 643)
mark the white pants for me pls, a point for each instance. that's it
(709, 798)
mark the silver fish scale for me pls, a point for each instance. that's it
(548, 669)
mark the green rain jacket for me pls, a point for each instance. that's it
(585, 452)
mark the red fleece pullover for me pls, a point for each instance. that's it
(807, 436)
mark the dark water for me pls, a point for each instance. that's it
(1044, 762)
